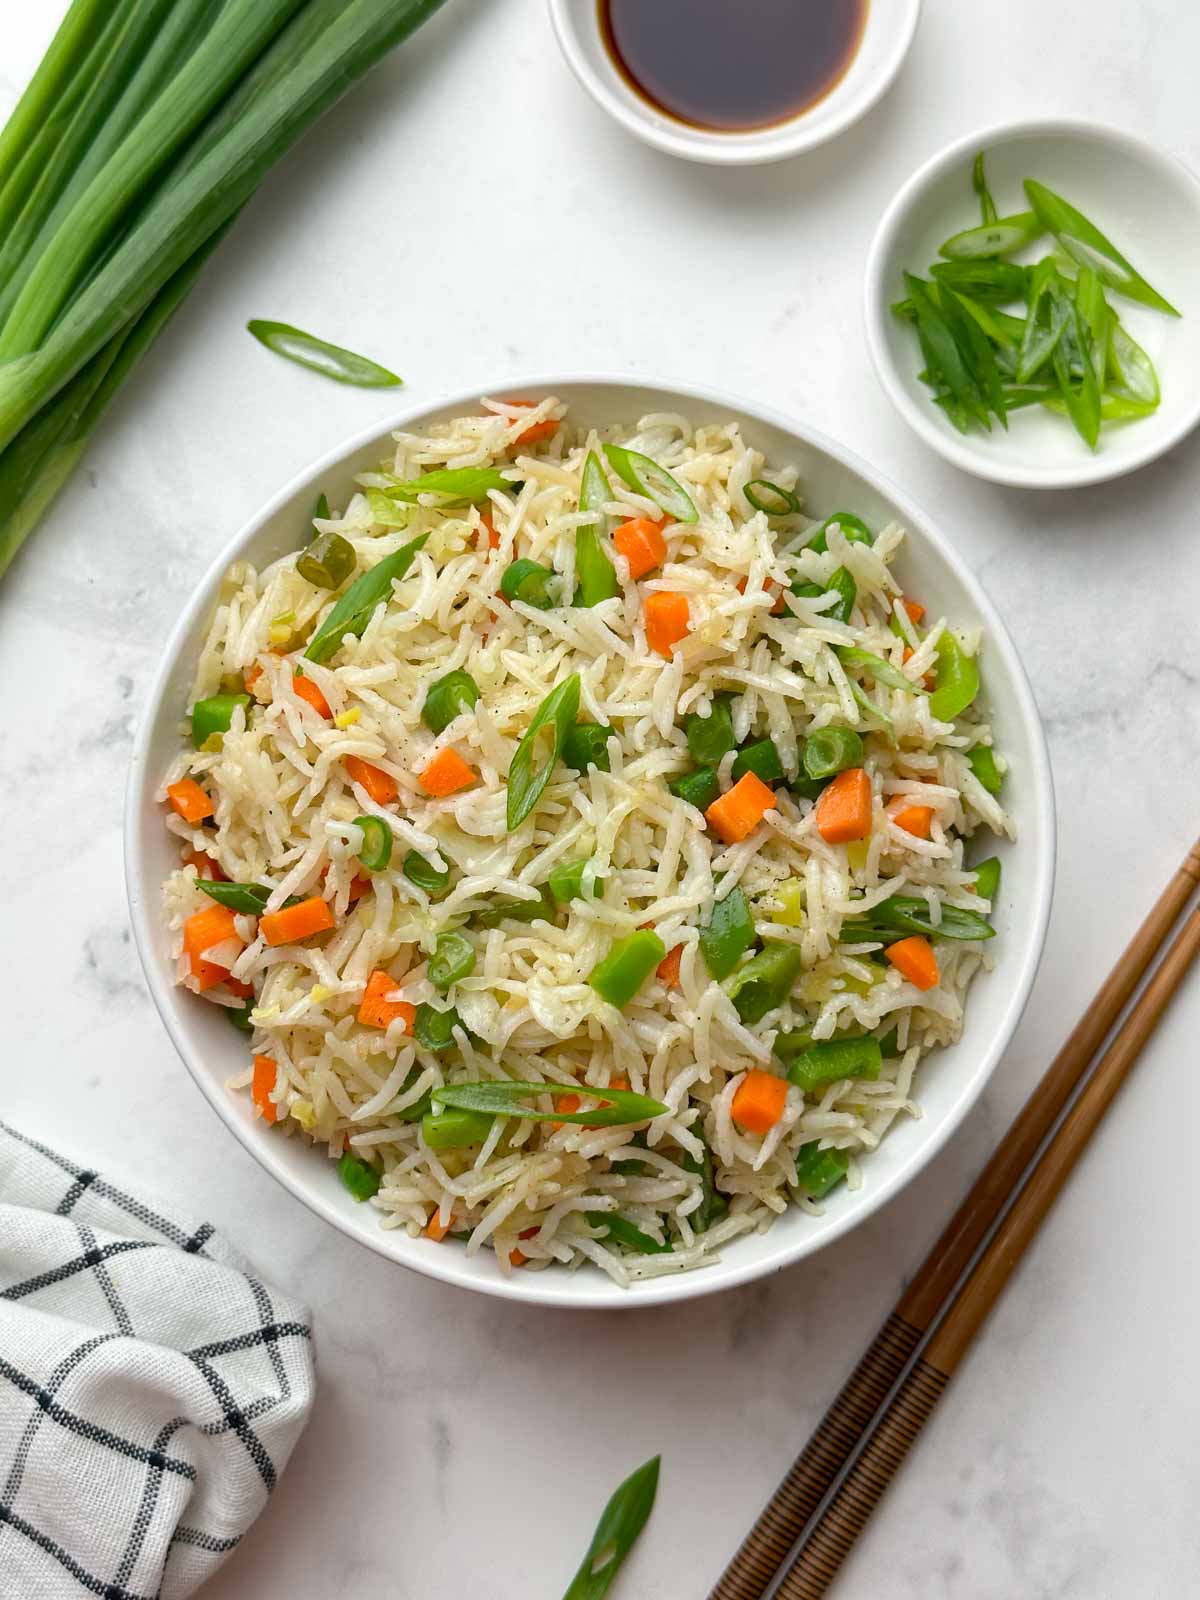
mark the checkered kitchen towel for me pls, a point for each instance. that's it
(151, 1388)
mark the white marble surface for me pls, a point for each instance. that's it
(461, 1446)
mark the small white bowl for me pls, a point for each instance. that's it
(888, 33)
(1146, 201)
(949, 1082)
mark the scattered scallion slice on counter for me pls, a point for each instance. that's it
(357, 606)
(622, 1519)
(331, 360)
(656, 483)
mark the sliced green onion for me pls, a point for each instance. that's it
(434, 1030)
(623, 1232)
(376, 850)
(505, 1097)
(728, 934)
(771, 498)
(540, 909)
(249, 899)
(596, 573)
(712, 1202)
(587, 746)
(1084, 243)
(760, 758)
(214, 715)
(987, 281)
(452, 960)
(711, 737)
(328, 561)
(1131, 367)
(818, 1171)
(987, 878)
(321, 509)
(357, 606)
(448, 697)
(622, 1519)
(854, 531)
(876, 667)
(956, 679)
(457, 485)
(332, 360)
(526, 782)
(421, 871)
(646, 477)
(979, 184)
(359, 1177)
(982, 762)
(626, 967)
(999, 238)
(574, 880)
(766, 980)
(829, 751)
(699, 788)
(455, 1129)
(528, 582)
(830, 1060)
(902, 914)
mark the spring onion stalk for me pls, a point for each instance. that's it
(357, 606)
(615, 1108)
(854, 530)
(622, 1519)
(144, 132)
(318, 355)
(900, 915)
(527, 774)
(646, 477)
(528, 582)
(876, 667)
(596, 573)
(623, 1232)
(435, 1030)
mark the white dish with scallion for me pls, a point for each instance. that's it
(1030, 307)
(592, 847)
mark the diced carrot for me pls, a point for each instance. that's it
(913, 819)
(914, 959)
(667, 616)
(436, 1229)
(770, 587)
(244, 991)
(296, 922)
(266, 1074)
(844, 807)
(190, 800)
(203, 931)
(566, 1103)
(376, 1010)
(446, 774)
(914, 610)
(536, 431)
(308, 691)
(737, 812)
(488, 537)
(668, 967)
(380, 785)
(205, 866)
(518, 1258)
(759, 1101)
(251, 676)
(641, 542)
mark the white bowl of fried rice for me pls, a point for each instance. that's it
(668, 994)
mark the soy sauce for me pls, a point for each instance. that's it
(733, 65)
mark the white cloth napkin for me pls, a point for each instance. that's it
(151, 1387)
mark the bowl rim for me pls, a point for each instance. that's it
(750, 146)
(574, 1292)
(1097, 468)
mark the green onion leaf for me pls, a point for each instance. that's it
(596, 573)
(979, 183)
(376, 849)
(541, 908)
(853, 529)
(902, 914)
(506, 1097)
(357, 606)
(623, 1232)
(332, 360)
(248, 899)
(771, 498)
(1084, 243)
(1130, 368)
(876, 667)
(417, 869)
(457, 485)
(622, 1520)
(656, 483)
(526, 782)
(999, 238)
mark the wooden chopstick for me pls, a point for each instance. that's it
(766, 1547)
(831, 1536)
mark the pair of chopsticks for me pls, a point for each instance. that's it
(808, 1527)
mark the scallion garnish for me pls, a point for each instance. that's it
(357, 606)
(331, 360)
(596, 573)
(376, 849)
(527, 774)
(646, 477)
(771, 498)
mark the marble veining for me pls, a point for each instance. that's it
(464, 1446)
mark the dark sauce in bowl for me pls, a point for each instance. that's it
(733, 65)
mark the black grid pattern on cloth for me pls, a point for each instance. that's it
(246, 1374)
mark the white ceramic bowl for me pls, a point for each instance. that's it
(1145, 201)
(888, 33)
(833, 478)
